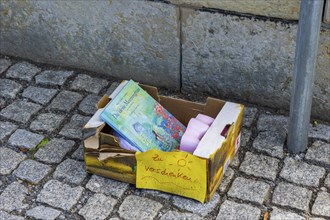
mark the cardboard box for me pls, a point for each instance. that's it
(175, 172)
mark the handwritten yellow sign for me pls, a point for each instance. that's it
(178, 172)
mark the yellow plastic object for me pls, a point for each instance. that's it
(176, 172)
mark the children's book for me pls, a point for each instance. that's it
(141, 120)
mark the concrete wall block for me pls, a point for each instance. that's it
(247, 59)
(286, 9)
(125, 39)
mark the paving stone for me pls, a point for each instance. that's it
(106, 186)
(88, 104)
(79, 153)
(245, 136)
(6, 216)
(272, 123)
(23, 70)
(74, 128)
(301, 173)
(25, 139)
(54, 151)
(9, 160)
(249, 190)
(20, 111)
(2, 103)
(260, 166)
(236, 211)
(327, 181)
(112, 88)
(65, 101)
(286, 194)
(320, 131)
(12, 197)
(195, 206)
(89, 84)
(249, 116)
(39, 95)
(98, 207)
(6, 128)
(153, 193)
(320, 152)
(322, 204)
(32, 171)
(4, 64)
(60, 195)
(279, 214)
(316, 219)
(170, 215)
(50, 77)
(144, 208)
(236, 161)
(228, 176)
(47, 122)
(9, 88)
(71, 171)
(43, 212)
(270, 142)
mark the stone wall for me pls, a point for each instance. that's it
(241, 50)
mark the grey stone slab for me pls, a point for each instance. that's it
(297, 197)
(23, 70)
(227, 178)
(327, 181)
(9, 88)
(98, 207)
(65, 101)
(142, 40)
(48, 122)
(320, 131)
(236, 161)
(274, 123)
(302, 173)
(195, 206)
(322, 204)
(236, 211)
(249, 116)
(320, 152)
(249, 190)
(6, 216)
(54, 151)
(6, 128)
(9, 160)
(4, 64)
(280, 214)
(245, 136)
(51, 77)
(106, 186)
(112, 88)
(170, 215)
(89, 84)
(144, 208)
(2, 103)
(270, 142)
(32, 171)
(74, 128)
(71, 171)
(43, 212)
(20, 111)
(260, 166)
(79, 153)
(88, 104)
(13, 196)
(25, 139)
(38, 94)
(60, 195)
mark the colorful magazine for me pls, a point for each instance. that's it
(141, 120)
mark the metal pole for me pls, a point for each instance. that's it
(303, 75)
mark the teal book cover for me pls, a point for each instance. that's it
(142, 121)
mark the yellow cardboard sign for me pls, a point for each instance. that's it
(178, 172)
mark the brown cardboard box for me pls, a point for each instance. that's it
(103, 155)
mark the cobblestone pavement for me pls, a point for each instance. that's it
(41, 104)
